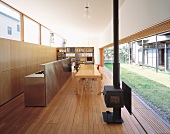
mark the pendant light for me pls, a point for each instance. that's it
(87, 12)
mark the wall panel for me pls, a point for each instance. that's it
(22, 55)
(29, 54)
(22, 74)
(5, 55)
(15, 78)
(14, 54)
(36, 54)
(0, 86)
(18, 59)
(6, 87)
(43, 54)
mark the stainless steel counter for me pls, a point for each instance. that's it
(41, 88)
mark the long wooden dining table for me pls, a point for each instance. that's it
(88, 71)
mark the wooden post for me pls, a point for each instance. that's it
(102, 57)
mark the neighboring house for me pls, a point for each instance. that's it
(9, 27)
(152, 53)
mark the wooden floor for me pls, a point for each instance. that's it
(68, 113)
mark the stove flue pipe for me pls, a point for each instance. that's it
(116, 66)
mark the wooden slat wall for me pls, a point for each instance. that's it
(18, 59)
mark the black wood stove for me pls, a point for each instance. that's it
(116, 99)
(113, 99)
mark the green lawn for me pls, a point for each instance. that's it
(155, 93)
(109, 66)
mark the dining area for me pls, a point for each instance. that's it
(90, 73)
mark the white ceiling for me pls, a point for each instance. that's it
(65, 17)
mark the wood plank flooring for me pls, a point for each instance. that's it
(69, 113)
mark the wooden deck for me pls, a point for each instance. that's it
(69, 113)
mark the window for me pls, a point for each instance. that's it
(9, 30)
(18, 28)
(45, 36)
(31, 31)
(9, 19)
(57, 41)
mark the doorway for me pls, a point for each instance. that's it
(161, 58)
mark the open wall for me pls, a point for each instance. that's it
(18, 59)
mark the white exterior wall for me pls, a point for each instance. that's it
(4, 23)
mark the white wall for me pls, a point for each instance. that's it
(134, 16)
(107, 36)
(80, 41)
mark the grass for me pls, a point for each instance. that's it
(109, 66)
(155, 93)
